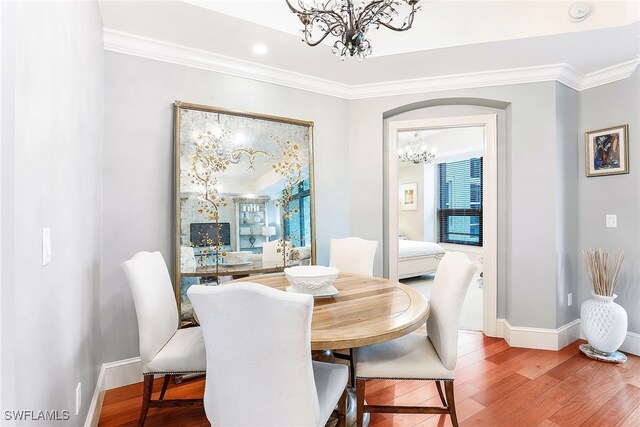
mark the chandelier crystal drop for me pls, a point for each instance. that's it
(350, 23)
(415, 152)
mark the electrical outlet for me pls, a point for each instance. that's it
(569, 300)
(78, 398)
(611, 221)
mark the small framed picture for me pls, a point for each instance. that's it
(409, 196)
(607, 151)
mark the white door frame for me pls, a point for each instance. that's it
(489, 201)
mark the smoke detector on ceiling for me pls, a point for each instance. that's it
(579, 11)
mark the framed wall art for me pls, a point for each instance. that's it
(409, 196)
(607, 151)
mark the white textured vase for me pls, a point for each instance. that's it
(604, 323)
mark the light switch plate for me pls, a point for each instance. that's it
(611, 221)
(46, 246)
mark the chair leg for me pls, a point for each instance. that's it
(342, 409)
(360, 386)
(439, 386)
(448, 388)
(165, 383)
(146, 397)
(352, 368)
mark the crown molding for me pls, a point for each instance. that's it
(120, 42)
(117, 41)
(610, 74)
(556, 72)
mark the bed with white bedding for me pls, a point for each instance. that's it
(416, 258)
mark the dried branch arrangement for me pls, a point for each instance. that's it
(602, 273)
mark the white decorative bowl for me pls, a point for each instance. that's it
(311, 278)
(237, 257)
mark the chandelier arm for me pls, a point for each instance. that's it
(408, 22)
(405, 25)
(293, 9)
(368, 10)
(312, 12)
(307, 17)
(326, 34)
(330, 23)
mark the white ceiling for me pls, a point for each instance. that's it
(443, 24)
(448, 38)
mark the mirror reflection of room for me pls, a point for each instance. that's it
(244, 196)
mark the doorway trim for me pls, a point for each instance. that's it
(489, 123)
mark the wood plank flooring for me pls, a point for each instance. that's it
(495, 386)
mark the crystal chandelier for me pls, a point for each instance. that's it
(350, 23)
(415, 152)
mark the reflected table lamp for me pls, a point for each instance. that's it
(246, 231)
(268, 232)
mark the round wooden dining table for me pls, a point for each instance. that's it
(366, 310)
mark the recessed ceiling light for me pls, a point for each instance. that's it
(260, 49)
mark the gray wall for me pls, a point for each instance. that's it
(52, 177)
(138, 170)
(527, 244)
(566, 203)
(7, 200)
(412, 222)
(602, 107)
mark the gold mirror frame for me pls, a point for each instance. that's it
(209, 142)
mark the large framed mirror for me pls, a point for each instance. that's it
(244, 201)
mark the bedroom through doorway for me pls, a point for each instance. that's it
(440, 185)
(446, 185)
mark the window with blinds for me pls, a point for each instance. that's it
(460, 202)
(297, 230)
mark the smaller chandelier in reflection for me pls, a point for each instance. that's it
(415, 152)
(350, 23)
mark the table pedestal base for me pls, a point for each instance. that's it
(352, 409)
(352, 405)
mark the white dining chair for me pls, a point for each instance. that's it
(416, 357)
(353, 255)
(249, 385)
(164, 349)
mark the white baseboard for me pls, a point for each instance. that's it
(93, 415)
(112, 375)
(554, 339)
(539, 338)
(122, 372)
(631, 344)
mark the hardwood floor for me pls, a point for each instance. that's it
(495, 386)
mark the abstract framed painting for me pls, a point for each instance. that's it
(409, 196)
(607, 151)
